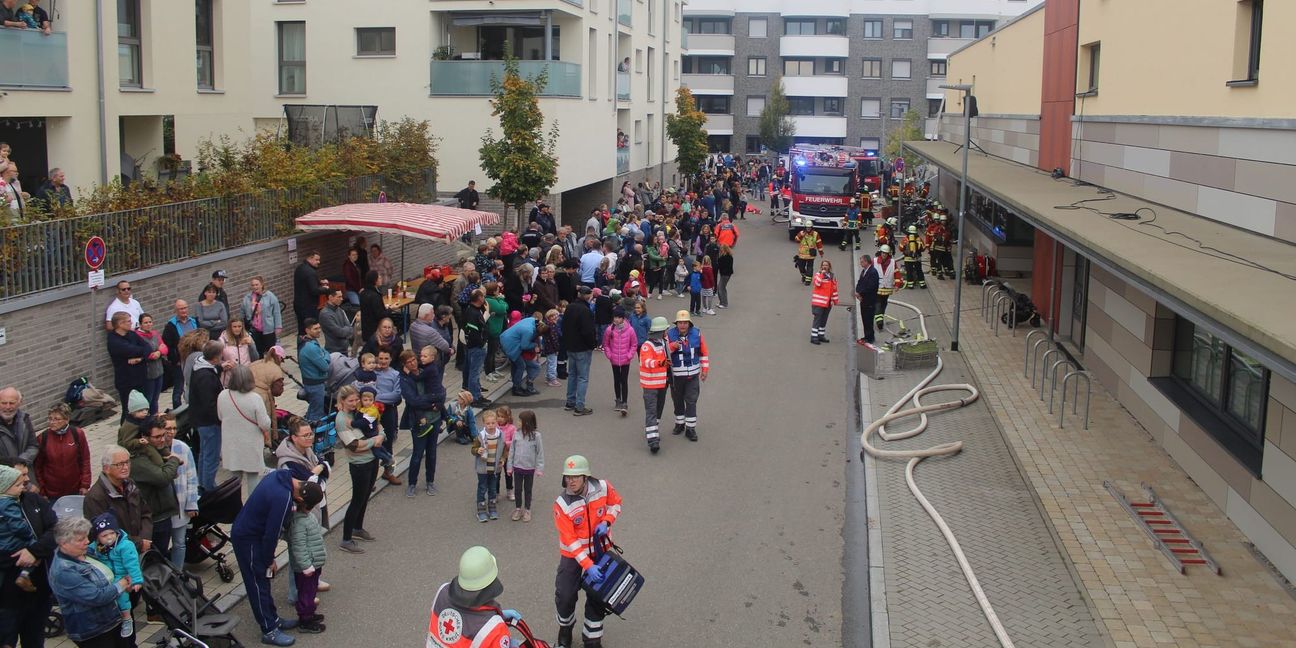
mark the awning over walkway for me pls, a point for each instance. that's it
(1220, 282)
(433, 222)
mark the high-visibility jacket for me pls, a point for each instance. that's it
(866, 202)
(883, 233)
(939, 237)
(576, 516)
(654, 364)
(727, 234)
(688, 355)
(913, 247)
(809, 244)
(824, 290)
(451, 626)
(889, 275)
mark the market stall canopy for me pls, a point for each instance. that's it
(432, 222)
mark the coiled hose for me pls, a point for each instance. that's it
(895, 413)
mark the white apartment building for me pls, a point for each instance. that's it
(229, 67)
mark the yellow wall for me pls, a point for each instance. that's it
(1005, 67)
(1173, 57)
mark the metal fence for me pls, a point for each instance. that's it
(46, 255)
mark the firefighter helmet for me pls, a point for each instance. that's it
(682, 316)
(659, 324)
(884, 249)
(891, 221)
(576, 466)
(477, 569)
(913, 229)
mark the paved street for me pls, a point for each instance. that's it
(739, 535)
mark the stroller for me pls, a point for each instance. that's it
(191, 617)
(205, 538)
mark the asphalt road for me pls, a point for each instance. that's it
(740, 535)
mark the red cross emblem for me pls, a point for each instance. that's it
(448, 626)
(571, 464)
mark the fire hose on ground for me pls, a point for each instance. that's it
(895, 413)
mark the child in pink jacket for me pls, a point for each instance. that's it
(619, 345)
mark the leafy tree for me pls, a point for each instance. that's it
(522, 162)
(776, 127)
(910, 128)
(686, 129)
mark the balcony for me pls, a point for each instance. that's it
(934, 89)
(939, 48)
(710, 44)
(623, 160)
(931, 128)
(625, 12)
(814, 8)
(710, 84)
(819, 126)
(818, 46)
(473, 78)
(623, 86)
(719, 125)
(815, 86)
(33, 60)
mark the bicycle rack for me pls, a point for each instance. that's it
(986, 287)
(1043, 362)
(1029, 352)
(999, 298)
(1053, 379)
(1009, 309)
(1035, 358)
(1076, 402)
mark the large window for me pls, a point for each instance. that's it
(753, 144)
(798, 67)
(527, 43)
(205, 40)
(375, 41)
(872, 68)
(756, 66)
(871, 108)
(832, 106)
(1225, 382)
(755, 105)
(835, 26)
(902, 29)
(975, 28)
(292, 57)
(757, 28)
(898, 108)
(834, 66)
(934, 107)
(706, 65)
(129, 59)
(713, 104)
(938, 68)
(711, 26)
(872, 29)
(801, 105)
(901, 69)
(798, 27)
(940, 28)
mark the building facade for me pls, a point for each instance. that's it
(850, 68)
(1164, 260)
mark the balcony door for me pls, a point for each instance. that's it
(527, 42)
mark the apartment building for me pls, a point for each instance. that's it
(112, 91)
(1169, 275)
(850, 68)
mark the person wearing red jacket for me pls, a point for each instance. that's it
(63, 458)
(654, 369)
(823, 296)
(583, 515)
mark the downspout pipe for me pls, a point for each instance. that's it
(103, 108)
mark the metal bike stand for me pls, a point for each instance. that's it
(1029, 352)
(1044, 363)
(1036, 358)
(986, 287)
(999, 300)
(1053, 379)
(1076, 401)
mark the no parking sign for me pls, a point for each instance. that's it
(96, 252)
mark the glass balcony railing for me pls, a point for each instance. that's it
(625, 9)
(623, 86)
(473, 78)
(623, 160)
(32, 59)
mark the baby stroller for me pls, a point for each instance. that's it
(205, 539)
(191, 617)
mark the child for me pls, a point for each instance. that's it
(505, 414)
(460, 419)
(306, 553)
(112, 548)
(695, 289)
(619, 344)
(708, 285)
(366, 420)
(18, 535)
(681, 278)
(367, 374)
(526, 459)
(490, 454)
(550, 344)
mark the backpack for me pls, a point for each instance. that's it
(73, 395)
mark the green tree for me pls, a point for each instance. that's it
(910, 128)
(686, 129)
(776, 127)
(522, 162)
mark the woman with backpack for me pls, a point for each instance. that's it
(63, 458)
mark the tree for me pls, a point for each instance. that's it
(522, 162)
(776, 127)
(686, 129)
(909, 129)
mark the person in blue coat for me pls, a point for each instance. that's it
(640, 321)
(519, 342)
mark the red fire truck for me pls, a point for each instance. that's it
(824, 181)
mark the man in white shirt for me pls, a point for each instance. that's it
(123, 303)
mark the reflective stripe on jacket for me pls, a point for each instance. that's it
(450, 626)
(824, 292)
(688, 355)
(886, 275)
(575, 517)
(653, 365)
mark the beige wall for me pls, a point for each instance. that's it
(1005, 67)
(1173, 57)
(1013, 138)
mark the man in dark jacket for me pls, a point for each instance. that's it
(204, 387)
(218, 279)
(468, 197)
(17, 436)
(154, 469)
(307, 288)
(580, 340)
(866, 288)
(114, 491)
(475, 337)
(372, 308)
(338, 327)
(23, 613)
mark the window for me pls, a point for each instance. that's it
(205, 41)
(129, 59)
(638, 131)
(967, 29)
(835, 26)
(937, 68)
(872, 29)
(711, 26)
(872, 68)
(870, 143)
(1246, 51)
(757, 27)
(984, 27)
(933, 107)
(798, 67)
(706, 65)
(975, 28)
(870, 108)
(292, 57)
(801, 105)
(940, 28)
(638, 61)
(1091, 58)
(652, 63)
(756, 66)
(834, 66)
(375, 41)
(798, 27)
(755, 105)
(591, 79)
(676, 66)
(832, 106)
(900, 69)
(753, 144)
(1226, 381)
(713, 104)
(898, 108)
(902, 29)
(652, 16)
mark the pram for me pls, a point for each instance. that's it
(191, 617)
(205, 538)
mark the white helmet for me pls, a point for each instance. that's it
(891, 221)
(884, 249)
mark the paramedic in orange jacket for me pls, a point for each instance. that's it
(654, 371)
(465, 612)
(823, 296)
(583, 514)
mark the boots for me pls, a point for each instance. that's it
(590, 642)
(654, 446)
(679, 429)
(564, 637)
(391, 477)
(691, 434)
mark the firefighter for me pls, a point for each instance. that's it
(583, 515)
(464, 611)
(853, 223)
(822, 298)
(809, 246)
(690, 364)
(654, 369)
(941, 260)
(888, 281)
(913, 248)
(866, 207)
(885, 232)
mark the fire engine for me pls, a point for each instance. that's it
(824, 181)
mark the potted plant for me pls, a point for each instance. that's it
(443, 53)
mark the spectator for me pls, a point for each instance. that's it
(351, 276)
(23, 611)
(378, 262)
(9, 16)
(520, 344)
(385, 336)
(468, 197)
(361, 464)
(724, 268)
(424, 332)
(362, 248)
(424, 397)
(264, 315)
(339, 328)
(136, 412)
(204, 390)
(123, 303)
(579, 338)
(269, 375)
(54, 192)
(372, 308)
(128, 352)
(87, 597)
(307, 288)
(475, 339)
(155, 362)
(211, 313)
(240, 350)
(245, 429)
(63, 459)
(218, 279)
(176, 328)
(389, 394)
(296, 453)
(114, 491)
(497, 310)
(12, 194)
(17, 436)
(191, 346)
(314, 363)
(154, 470)
(186, 490)
(545, 291)
(444, 324)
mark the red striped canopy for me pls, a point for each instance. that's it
(434, 222)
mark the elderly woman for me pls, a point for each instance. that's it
(239, 349)
(385, 336)
(85, 589)
(63, 461)
(153, 362)
(245, 429)
(269, 376)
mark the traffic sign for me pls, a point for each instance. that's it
(96, 252)
(899, 165)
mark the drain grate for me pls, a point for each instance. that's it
(1167, 534)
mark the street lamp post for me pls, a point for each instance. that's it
(966, 89)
